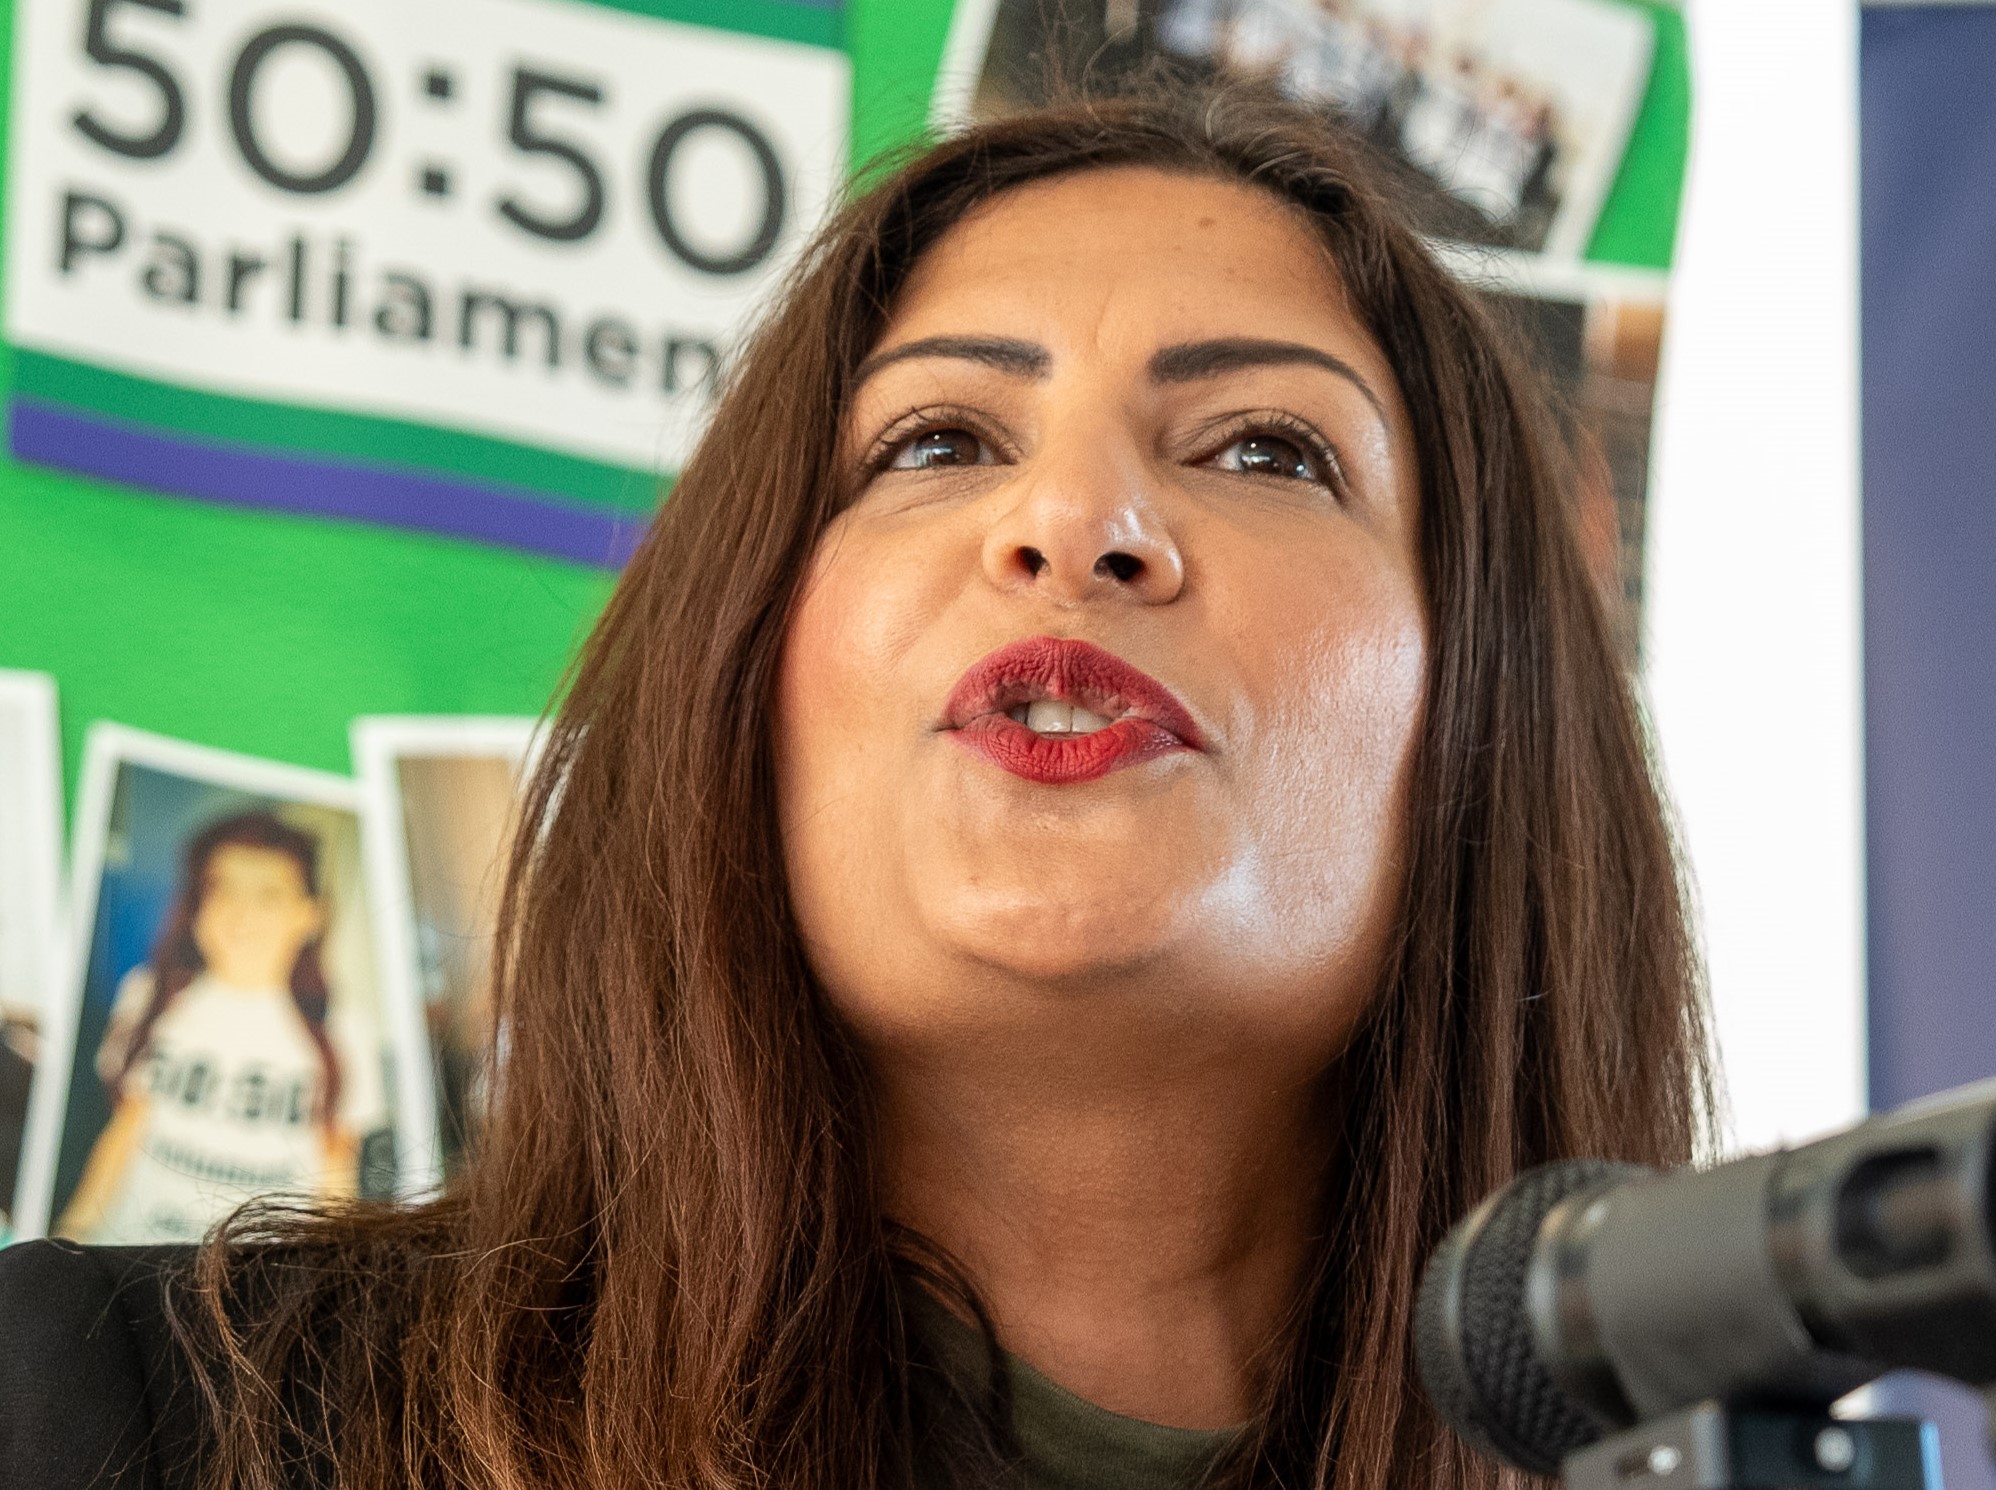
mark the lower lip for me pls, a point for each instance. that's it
(1062, 760)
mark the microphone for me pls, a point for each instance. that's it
(1587, 1297)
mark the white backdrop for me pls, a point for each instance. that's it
(1752, 597)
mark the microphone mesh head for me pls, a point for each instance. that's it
(1473, 1335)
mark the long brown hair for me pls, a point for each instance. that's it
(177, 960)
(668, 1266)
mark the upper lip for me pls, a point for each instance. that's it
(1069, 671)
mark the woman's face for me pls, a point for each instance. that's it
(256, 916)
(1096, 708)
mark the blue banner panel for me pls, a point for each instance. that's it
(1929, 337)
(1929, 329)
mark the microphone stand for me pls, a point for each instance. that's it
(1726, 1446)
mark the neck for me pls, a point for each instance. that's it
(1138, 1236)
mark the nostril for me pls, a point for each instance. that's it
(1034, 560)
(1122, 566)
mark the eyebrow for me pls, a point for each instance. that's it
(1186, 362)
(1022, 359)
(1192, 360)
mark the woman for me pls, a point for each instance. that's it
(223, 1079)
(1103, 817)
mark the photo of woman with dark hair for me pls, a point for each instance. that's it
(221, 1036)
(221, 1072)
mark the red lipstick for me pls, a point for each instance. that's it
(1148, 721)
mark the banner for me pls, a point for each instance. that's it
(468, 266)
(348, 348)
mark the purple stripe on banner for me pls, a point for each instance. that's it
(239, 476)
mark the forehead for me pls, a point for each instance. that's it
(244, 866)
(1104, 256)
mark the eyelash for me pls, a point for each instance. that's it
(1300, 432)
(918, 422)
(912, 425)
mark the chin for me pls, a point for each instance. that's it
(1063, 933)
(1105, 891)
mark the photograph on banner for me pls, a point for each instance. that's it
(31, 929)
(442, 798)
(1520, 110)
(224, 1036)
(1597, 334)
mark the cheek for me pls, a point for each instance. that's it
(299, 923)
(874, 594)
(839, 720)
(831, 673)
(1341, 709)
(807, 776)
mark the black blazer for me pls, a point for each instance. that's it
(93, 1390)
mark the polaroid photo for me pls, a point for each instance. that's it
(1520, 110)
(32, 933)
(223, 1034)
(442, 797)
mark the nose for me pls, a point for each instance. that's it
(1085, 531)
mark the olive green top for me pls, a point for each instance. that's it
(1066, 1443)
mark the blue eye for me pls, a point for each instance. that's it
(940, 447)
(1269, 455)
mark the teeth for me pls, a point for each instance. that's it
(1049, 717)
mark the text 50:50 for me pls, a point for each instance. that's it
(532, 90)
